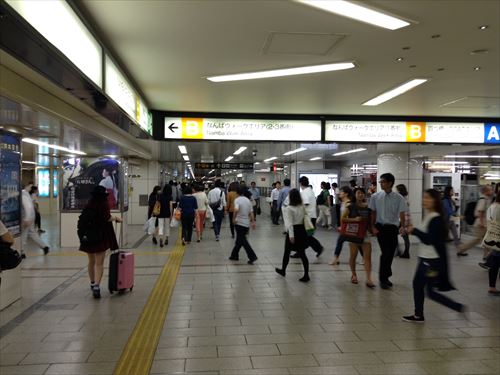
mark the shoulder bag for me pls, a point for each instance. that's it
(491, 239)
(310, 229)
(353, 231)
(9, 258)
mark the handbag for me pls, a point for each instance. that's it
(308, 225)
(9, 258)
(149, 225)
(156, 209)
(354, 231)
(491, 240)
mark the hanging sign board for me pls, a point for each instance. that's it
(223, 165)
(408, 132)
(241, 129)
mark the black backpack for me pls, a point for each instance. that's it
(469, 213)
(88, 229)
(216, 205)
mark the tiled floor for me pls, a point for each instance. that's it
(232, 318)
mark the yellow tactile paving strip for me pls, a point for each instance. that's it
(137, 356)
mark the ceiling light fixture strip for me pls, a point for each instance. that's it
(399, 90)
(55, 147)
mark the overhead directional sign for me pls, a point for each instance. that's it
(241, 129)
(223, 165)
(420, 132)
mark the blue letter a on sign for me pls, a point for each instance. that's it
(491, 133)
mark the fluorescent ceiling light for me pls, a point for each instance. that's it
(492, 178)
(185, 157)
(300, 149)
(283, 72)
(495, 156)
(395, 92)
(55, 147)
(257, 162)
(273, 158)
(316, 158)
(450, 162)
(239, 151)
(349, 152)
(229, 158)
(29, 162)
(467, 156)
(182, 149)
(357, 12)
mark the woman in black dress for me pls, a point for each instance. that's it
(98, 210)
(153, 197)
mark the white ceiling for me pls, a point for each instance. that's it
(169, 46)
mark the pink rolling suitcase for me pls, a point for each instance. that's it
(121, 271)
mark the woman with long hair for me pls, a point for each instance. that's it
(153, 198)
(345, 196)
(202, 202)
(296, 235)
(432, 268)
(358, 212)
(166, 209)
(98, 209)
(450, 212)
(406, 237)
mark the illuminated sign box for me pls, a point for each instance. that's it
(408, 132)
(242, 129)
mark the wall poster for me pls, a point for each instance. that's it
(81, 175)
(10, 177)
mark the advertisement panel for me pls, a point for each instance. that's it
(10, 175)
(241, 129)
(43, 181)
(81, 175)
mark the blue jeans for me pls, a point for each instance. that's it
(219, 215)
(421, 280)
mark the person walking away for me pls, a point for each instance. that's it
(38, 217)
(202, 203)
(166, 210)
(480, 223)
(28, 224)
(345, 198)
(323, 202)
(296, 236)
(217, 202)
(98, 210)
(243, 219)
(189, 208)
(388, 219)
(358, 212)
(152, 199)
(406, 237)
(231, 196)
(432, 268)
(275, 193)
(335, 205)
(450, 213)
(491, 242)
(254, 190)
(283, 194)
(309, 201)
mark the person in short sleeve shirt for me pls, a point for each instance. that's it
(388, 219)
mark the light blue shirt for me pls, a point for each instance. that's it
(255, 193)
(283, 194)
(388, 207)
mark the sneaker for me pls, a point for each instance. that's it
(385, 285)
(250, 261)
(280, 271)
(413, 319)
(233, 258)
(41, 231)
(217, 238)
(155, 241)
(484, 265)
(166, 241)
(96, 292)
(161, 243)
(304, 279)
(46, 250)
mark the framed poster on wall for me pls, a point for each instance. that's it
(81, 175)
(10, 176)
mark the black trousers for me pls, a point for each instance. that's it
(38, 220)
(313, 242)
(494, 264)
(421, 280)
(289, 247)
(187, 226)
(275, 214)
(388, 242)
(241, 241)
(231, 224)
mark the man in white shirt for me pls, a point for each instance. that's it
(275, 213)
(243, 218)
(217, 202)
(28, 224)
(482, 206)
(309, 201)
